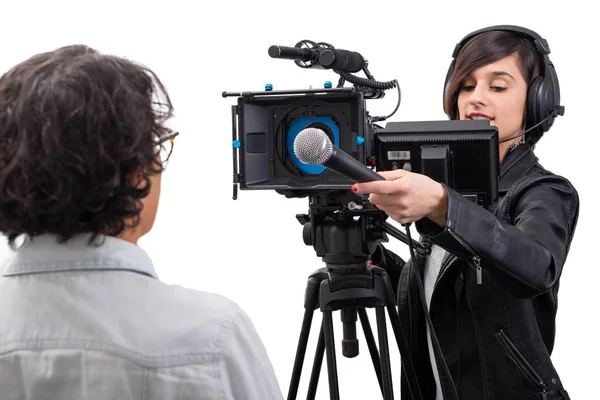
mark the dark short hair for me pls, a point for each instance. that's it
(76, 128)
(485, 49)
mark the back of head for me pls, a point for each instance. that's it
(491, 44)
(76, 128)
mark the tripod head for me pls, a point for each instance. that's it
(344, 229)
(338, 228)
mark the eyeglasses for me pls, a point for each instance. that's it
(165, 147)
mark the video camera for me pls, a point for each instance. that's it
(461, 154)
(270, 152)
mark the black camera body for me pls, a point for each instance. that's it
(461, 154)
(344, 228)
(269, 122)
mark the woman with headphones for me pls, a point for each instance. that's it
(490, 280)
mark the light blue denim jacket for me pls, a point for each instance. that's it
(82, 322)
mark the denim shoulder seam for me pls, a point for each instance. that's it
(159, 361)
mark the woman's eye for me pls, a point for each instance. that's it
(498, 88)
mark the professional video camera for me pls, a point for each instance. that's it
(316, 143)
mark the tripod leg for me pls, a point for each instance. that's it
(386, 369)
(310, 304)
(408, 369)
(364, 321)
(334, 391)
(300, 353)
(316, 371)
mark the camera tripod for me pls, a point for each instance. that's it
(348, 283)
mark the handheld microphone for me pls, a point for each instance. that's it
(312, 146)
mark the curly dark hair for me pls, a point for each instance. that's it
(76, 128)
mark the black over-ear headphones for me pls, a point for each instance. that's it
(543, 95)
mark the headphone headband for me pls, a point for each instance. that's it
(541, 44)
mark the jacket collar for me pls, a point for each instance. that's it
(515, 165)
(43, 253)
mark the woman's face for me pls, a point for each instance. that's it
(496, 92)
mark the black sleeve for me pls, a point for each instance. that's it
(525, 247)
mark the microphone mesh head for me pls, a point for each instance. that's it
(312, 146)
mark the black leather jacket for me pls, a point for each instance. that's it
(497, 335)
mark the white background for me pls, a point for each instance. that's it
(251, 250)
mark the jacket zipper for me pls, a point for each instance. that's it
(476, 259)
(477, 262)
(522, 362)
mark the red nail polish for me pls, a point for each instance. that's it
(354, 188)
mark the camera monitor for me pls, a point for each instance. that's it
(461, 154)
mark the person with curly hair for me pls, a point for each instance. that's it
(83, 143)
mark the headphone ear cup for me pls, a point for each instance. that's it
(533, 102)
(541, 102)
(550, 92)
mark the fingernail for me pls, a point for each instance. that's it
(354, 188)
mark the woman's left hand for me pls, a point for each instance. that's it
(407, 196)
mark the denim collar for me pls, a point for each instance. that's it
(43, 253)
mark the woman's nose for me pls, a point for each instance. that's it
(478, 96)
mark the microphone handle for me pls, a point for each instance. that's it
(343, 163)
